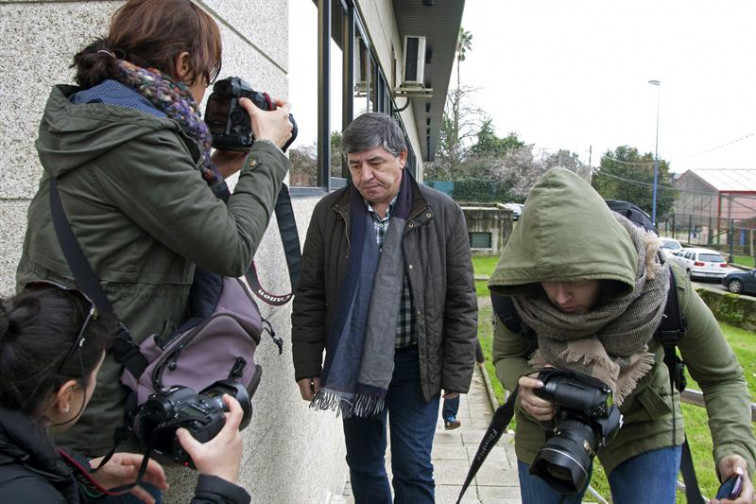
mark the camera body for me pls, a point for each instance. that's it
(228, 122)
(586, 420)
(202, 414)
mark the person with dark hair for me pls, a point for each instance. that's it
(591, 288)
(145, 196)
(387, 291)
(52, 346)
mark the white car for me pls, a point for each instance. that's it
(701, 263)
(516, 209)
(669, 245)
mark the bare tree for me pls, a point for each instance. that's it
(460, 125)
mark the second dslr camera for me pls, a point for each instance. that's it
(202, 414)
(586, 420)
(228, 122)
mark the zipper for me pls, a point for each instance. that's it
(170, 358)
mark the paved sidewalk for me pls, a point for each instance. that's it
(496, 481)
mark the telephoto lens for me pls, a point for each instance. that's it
(586, 420)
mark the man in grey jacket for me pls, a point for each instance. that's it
(387, 291)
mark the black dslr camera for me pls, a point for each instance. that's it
(586, 420)
(228, 122)
(201, 414)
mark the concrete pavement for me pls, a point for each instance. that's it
(453, 450)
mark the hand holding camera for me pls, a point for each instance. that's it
(236, 115)
(273, 125)
(221, 456)
(540, 409)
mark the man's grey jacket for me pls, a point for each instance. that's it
(438, 265)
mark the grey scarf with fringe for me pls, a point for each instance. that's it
(610, 342)
(359, 359)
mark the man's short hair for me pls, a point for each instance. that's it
(372, 130)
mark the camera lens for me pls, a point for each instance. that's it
(564, 461)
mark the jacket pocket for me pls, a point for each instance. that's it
(648, 404)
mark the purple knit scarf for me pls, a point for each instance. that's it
(176, 101)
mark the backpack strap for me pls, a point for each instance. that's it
(504, 309)
(125, 350)
(671, 330)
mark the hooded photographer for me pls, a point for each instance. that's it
(139, 185)
(593, 288)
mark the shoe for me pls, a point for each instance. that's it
(451, 423)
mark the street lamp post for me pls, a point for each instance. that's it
(656, 151)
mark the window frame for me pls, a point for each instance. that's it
(382, 101)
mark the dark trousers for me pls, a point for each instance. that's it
(412, 424)
(450, 408)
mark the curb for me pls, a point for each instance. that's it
(489, 388)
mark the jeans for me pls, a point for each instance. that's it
(130, 499)
(412, 424)
(450, 408)
(648, 477)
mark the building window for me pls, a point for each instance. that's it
(334, 76)
(303, 92)
(480, 240)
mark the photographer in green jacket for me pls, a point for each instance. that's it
(140, 186)
(593, 288)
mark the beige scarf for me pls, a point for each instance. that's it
(610, 342)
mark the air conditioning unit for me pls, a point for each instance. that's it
(414, 61)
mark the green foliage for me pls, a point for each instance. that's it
(488, 144)
(628, 175)
(481, 191)
(729, 309)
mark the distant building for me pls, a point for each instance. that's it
(711, 201)
(720, 194)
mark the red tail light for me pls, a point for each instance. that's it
(723, 265)
(699, 263)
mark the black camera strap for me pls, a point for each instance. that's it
(287, 226)
(501, 418)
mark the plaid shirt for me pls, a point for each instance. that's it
(405, 326)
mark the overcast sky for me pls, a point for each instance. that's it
(574, 74)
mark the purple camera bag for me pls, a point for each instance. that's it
(215, 347)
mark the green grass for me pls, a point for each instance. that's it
(483, 265)
(747, 261)
(743, 344)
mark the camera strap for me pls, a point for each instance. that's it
(287, 226)
(501, 418)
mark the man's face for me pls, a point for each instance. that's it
(377, 174)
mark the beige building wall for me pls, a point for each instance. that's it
(292, 454)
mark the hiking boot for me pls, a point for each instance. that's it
(451, 423)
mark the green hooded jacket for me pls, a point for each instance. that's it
(566, 233)
(132, 190)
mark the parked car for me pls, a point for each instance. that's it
(701, 263)
(741, 282)
(669, 245)
(516, 209)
